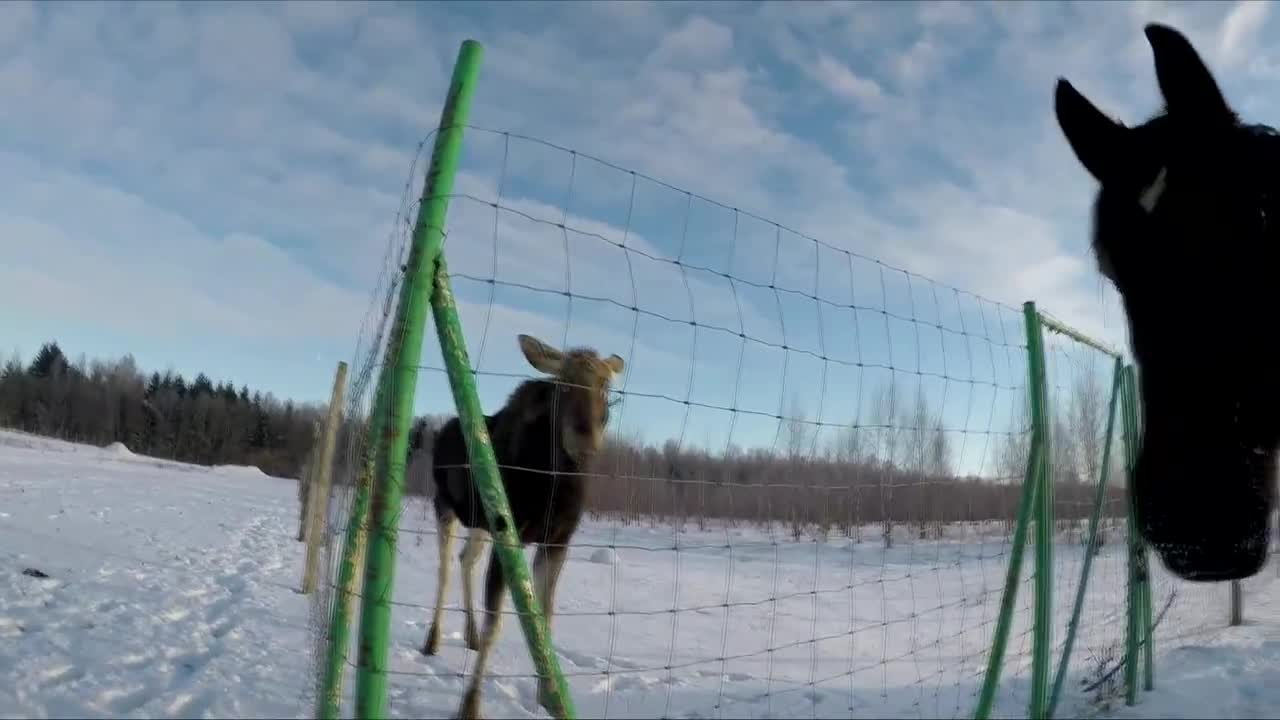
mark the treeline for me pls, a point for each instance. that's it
(896, 474)
(163, 415)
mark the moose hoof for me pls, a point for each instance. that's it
(432, 645)
(473, 638)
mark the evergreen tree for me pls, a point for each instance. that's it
(228, 393)
(48, 362)
(155, 413)
(201, 386)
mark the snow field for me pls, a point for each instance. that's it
(172, 592)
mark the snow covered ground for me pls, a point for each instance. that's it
(172, 592)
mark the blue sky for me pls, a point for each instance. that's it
(212, 187)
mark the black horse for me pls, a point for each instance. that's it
(1182, 226)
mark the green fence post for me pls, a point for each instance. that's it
(1137, 566)
(404, 351)
(1146, 615)
(1090, 544)
(1013, 574)
(493, 496)
(1043, 630)
(1032, 504)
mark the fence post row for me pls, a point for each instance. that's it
(1037, 504)
(380, 482)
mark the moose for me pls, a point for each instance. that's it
(544, 439)
(1182, 227)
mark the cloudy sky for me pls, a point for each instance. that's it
(800, 201)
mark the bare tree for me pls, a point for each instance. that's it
(1088, 423)
(887, 448)
(797, 433)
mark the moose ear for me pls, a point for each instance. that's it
(1097, 140)
(1189, 90)
(540, 355)
(615, 364)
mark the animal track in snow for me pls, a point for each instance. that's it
(60, 675)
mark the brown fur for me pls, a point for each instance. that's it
(544, 439)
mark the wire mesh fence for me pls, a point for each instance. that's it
(815, 464)
(820, 507)
(334, 603)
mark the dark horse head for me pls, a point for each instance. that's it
(1182, 226)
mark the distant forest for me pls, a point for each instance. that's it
(895, 471)
(163, 415)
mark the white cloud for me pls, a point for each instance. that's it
(1240, 29)
(137, 267)
(247, 160)
(698, 42)
(844, 82)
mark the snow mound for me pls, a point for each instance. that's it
(118, 449)
(604, 556)
(241, 470)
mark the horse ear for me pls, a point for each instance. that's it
(1189, 90)
(1097, 140)
(541, 355)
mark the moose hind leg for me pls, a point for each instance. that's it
(444, 540)
(470, 554)
(548, 561)
(494, 594)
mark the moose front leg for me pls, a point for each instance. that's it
(548, 561)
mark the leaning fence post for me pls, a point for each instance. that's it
(321, 472)
(304, 482)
